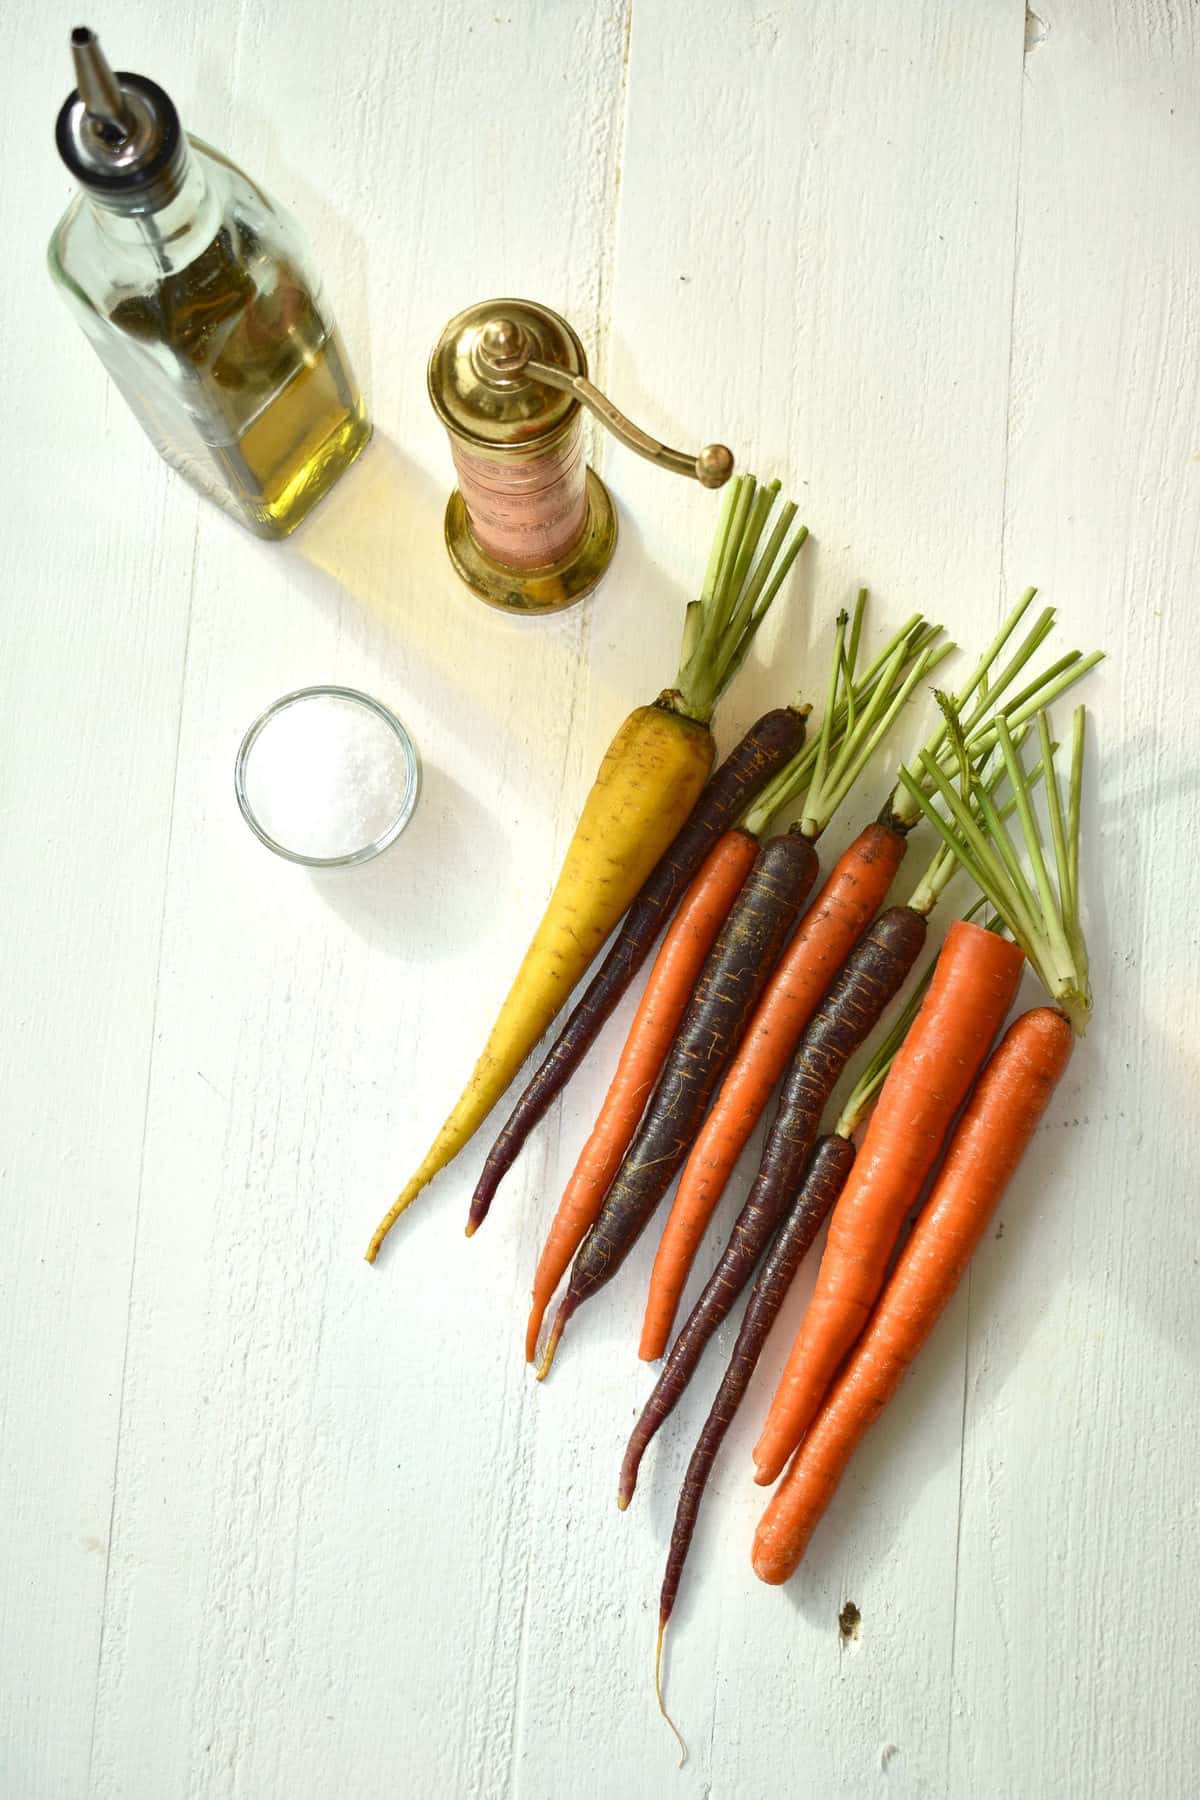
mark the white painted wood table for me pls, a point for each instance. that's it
(279, 1526)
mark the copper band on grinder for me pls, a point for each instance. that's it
(526, 513)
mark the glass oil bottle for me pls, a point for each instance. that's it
(199, 297)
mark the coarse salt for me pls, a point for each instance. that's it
(327, 776)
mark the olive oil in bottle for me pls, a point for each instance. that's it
(198, 295)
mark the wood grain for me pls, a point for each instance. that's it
(280, 1524)
(1078, 1509)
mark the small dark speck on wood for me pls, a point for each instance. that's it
(850, 1622)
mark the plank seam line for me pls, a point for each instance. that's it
(958, 1529)
(1012, 331)
(604, 294)
(141, 1181)
(608, 268)
(1008, 409)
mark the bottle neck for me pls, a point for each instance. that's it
(175, 231)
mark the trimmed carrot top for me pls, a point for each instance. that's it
(720, 626)
(1042, 914)
(978, 718)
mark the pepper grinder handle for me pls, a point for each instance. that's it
(712, 468)
(503, 351)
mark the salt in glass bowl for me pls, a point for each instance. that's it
(398, 739)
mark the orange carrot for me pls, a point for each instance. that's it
(998, 1123)
(972, 988)
(701, 914)
(828, 932)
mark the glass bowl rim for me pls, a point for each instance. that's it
(365, 852)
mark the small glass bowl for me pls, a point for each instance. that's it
(365, 852)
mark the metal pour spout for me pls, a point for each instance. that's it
(98, 86)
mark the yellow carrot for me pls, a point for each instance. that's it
(649, 781)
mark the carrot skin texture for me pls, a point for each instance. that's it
(765, 748)
(677, 967)
(990, 1139)
(874, 974)
(823, 1182)
(972, 989)
(831, 927)
(718, 1013)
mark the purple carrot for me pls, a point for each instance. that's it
(826, 1176)
(734, 975)
(766, 747)
(873, 974)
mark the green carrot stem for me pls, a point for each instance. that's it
(766, 562)
(992, 830)
(836, 672)
(1041, 916)
(1042, 693)
(1033, 640)
(737, 592)
(789, 783)
(1075, 791)
(1058, 830)
(856, 629)
(944, 863)
(1052, 916)
(858, 747)
(977, 725)
(978, 676)
(986, 869)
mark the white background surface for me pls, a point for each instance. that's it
(278, 1526)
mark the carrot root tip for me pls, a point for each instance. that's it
(470, 1228)
(658, 1693)
(551, 1346)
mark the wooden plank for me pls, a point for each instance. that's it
(98, 542)
(1077, 1572)
(320, 1534)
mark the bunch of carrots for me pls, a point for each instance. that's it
(755, 991)
(863, 1328)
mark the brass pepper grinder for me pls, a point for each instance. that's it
(530, 528)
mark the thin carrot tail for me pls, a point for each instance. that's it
(445, 1147)
(658, 1693)
(533, 1329)
(481, 1200)
(566, 1308)
(401, 1205)
(627, 1480)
